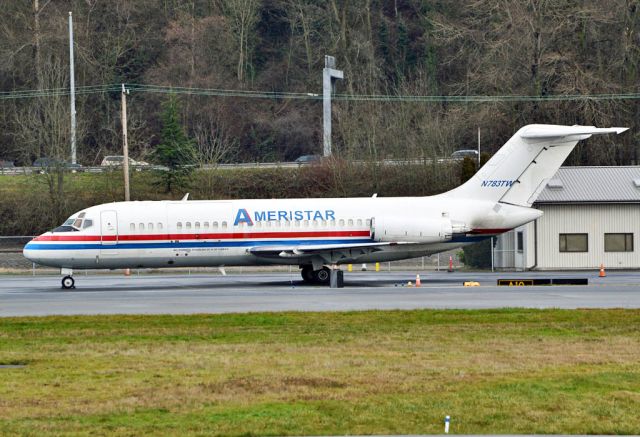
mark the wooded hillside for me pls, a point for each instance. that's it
(394, 47)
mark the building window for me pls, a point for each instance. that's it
(618, 242)
(520, 241)
(574, 243)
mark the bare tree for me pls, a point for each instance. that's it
(243, 16)
(213, 144)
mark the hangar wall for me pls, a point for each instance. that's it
(592, 219)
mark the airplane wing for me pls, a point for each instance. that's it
(329, 252)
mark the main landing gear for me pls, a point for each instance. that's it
(311, 276)
(68, 282)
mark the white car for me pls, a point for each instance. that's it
(117, 160)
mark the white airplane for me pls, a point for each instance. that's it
(315, 234)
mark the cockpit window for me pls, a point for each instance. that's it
(75, 223)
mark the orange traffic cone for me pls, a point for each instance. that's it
(418, 283)
(602, 273)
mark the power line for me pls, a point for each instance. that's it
(278, 95)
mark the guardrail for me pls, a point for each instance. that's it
(13, 171)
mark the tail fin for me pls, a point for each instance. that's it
(517, 174)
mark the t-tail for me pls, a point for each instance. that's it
(518, 173)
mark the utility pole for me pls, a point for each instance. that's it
(125, 144)
(329, 77)
(72, 84)
(478, 147)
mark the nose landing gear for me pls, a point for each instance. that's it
(68, 282)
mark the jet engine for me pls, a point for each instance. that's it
(416, 230)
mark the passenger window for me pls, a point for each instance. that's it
(132, 226)
(197, 226)
(188, 225)
(259, 224)
(359, 222)
(206, 225)
(297, 223)
(350, 222)
(159, 226)
(368, 222)
(306, 223)
(87, 223)
(224, 225)
(179, 226)
(268, 224)
(141, 226)
(215, 225)
(341, 222)
(150, 226)
(332, 223)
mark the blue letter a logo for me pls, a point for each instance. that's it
(243, 217)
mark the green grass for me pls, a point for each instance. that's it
(493, 371)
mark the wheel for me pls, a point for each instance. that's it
(68, 282)
(308, 274)
(323, 275)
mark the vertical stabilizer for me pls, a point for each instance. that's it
(519, 171)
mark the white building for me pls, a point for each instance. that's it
(591, 217)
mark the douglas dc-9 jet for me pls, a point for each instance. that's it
(315, 234)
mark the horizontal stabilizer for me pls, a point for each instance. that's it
(549, 131)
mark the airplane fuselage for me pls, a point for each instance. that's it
(151, 234)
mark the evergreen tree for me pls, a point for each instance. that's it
(175, 151)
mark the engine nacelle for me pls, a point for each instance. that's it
(418, 230)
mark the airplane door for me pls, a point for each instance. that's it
(109, 228)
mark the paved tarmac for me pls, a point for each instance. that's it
(257, 292)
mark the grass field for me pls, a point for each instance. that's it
(496, 371)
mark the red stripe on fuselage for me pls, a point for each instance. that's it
(204, 236)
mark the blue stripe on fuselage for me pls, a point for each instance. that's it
(188, 245)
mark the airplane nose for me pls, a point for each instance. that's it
(27, 252)
(30, 252)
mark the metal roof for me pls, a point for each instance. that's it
(593, 184)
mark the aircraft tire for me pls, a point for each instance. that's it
(322, 276)
(308, 275)
(68, 282)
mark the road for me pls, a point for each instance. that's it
(187, 294)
